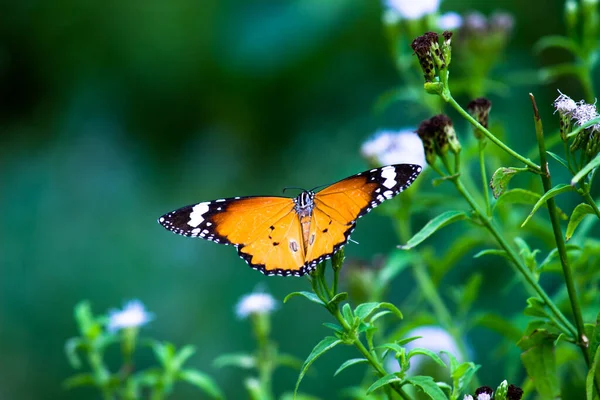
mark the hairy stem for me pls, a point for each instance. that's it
(582, 340)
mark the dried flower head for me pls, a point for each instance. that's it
(424, 47)
(133, 315)
(514, 392)
(255, 303)
(387, 147)
(480, 110)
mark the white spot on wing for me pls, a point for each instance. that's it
(196, 216)
(389, 173)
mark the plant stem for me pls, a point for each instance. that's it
(529, 277)
(365, 352)
(582, 340)
(489, 135)
(484, 186)
(590, 201)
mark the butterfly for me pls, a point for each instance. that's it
(290, 236)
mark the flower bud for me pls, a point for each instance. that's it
(422, 47)
(480, 110)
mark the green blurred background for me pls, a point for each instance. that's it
(113, 113)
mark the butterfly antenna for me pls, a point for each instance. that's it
(293, 187)
(321, 186)
(353, 241)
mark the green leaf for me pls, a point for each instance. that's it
(586, 170)
(386, 380)
(558, 189)
(540, 363)
(79, 380)
(71, 347)
(554, 253)
(461, 373)
(335, 327)
(363, 311)
(310, 296)
(589, 380)
(288, 360)
(395, 347)
(347, 313)
(535, 308)
(429, 387)
(202, 382)
(559, 159)
(337, 299)
(493, 252)
(517, 196)
(577, 216)
(86, 322)
(380, 314)
(240, 360)
(561, 42)
(396, 262)
(182, 355)
(427, 353)
(349, 363)
(328, 343)
(433, 226)
(164, 352)
(500, 179)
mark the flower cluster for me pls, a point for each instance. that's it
(432, 56)
(504, 392)
(480, 110)
(438, 136)
(579, 113)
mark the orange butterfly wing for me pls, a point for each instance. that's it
(265, 230)
(337, 207)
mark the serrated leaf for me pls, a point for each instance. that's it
(428, 353)
(586, 170)
(433, 226)
(79, 380)
(577, 216)
(202, 382)
(428, 386)
(386, 380)
(363, 311)
(310, 296)
(500, 180)
(559, 159)
(349, 363)
(589, 380)
(539, 360)
(328, 343)
(558, 189)
(240, 360)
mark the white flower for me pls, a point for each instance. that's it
(484, 396)
(255, 303)
(413, 9)
(564, 104)
(449, 21)
(432, 338)
(468, 397)
(395, 147)
(133, 315)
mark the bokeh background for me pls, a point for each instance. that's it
(113, 113)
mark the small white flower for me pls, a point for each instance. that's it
(564, 104)
(413, 9)
(484, 396)
(432, 338)
(133, 315)
(255, 303)
(584, 112)
(468, 397)
(449, 21)
(395, 147)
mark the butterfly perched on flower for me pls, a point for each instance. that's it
(290, 236)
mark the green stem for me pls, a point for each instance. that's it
(582, 340)
(489, 135)
(514, 257)
(590, 201)
(486, 192)
(365, 352)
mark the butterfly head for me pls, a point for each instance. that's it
(305, 202)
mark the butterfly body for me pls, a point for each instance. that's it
(290, 236)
